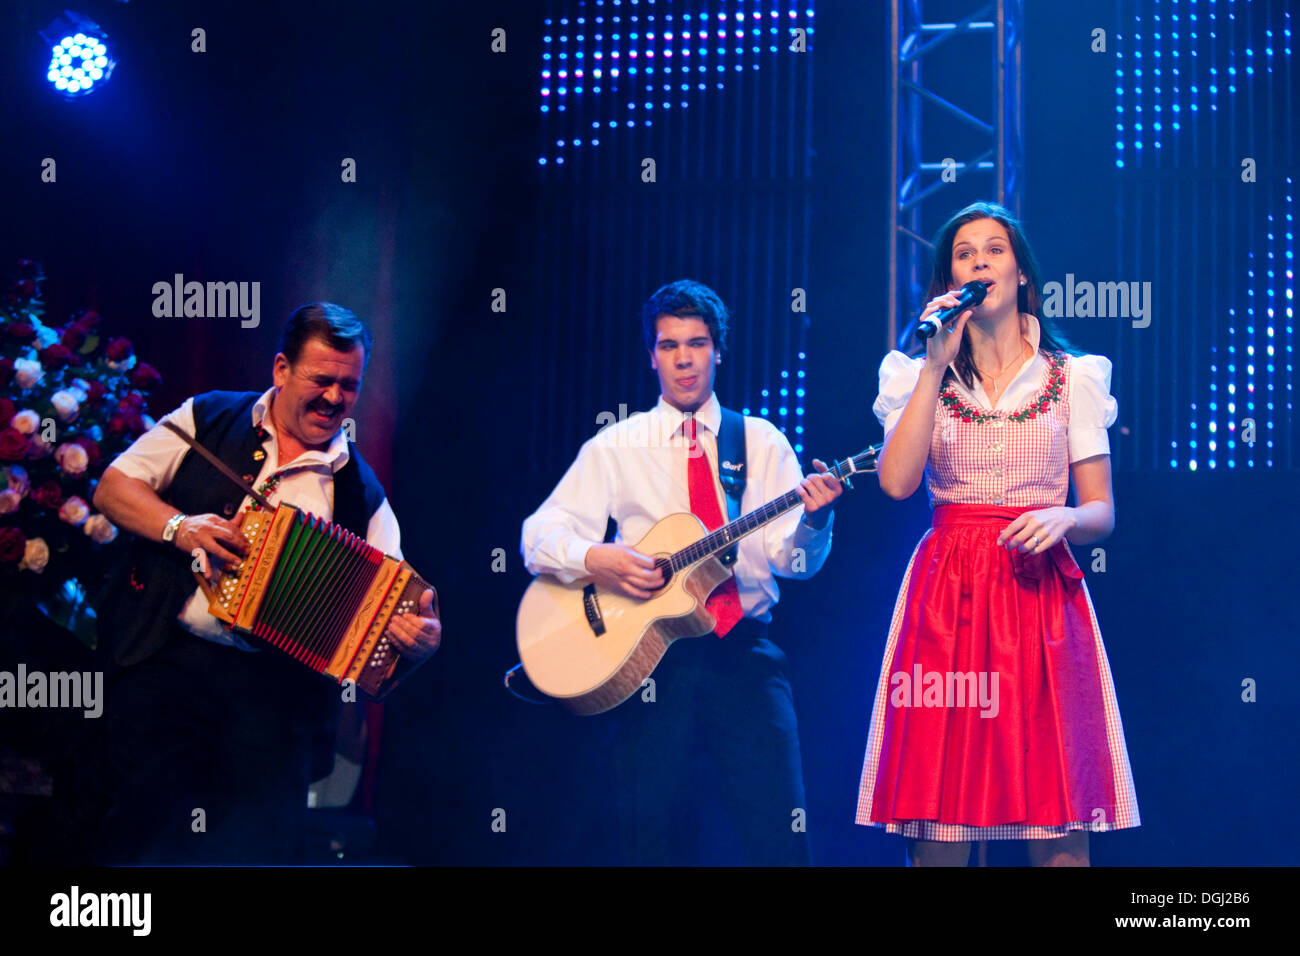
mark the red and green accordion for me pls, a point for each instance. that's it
(317, 592)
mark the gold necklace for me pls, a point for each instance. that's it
(983, 374)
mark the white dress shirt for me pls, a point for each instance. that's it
(308, 484)
(634, 471)
(1092, 408)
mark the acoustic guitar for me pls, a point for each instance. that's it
(592, 648)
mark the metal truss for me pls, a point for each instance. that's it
(917, 185)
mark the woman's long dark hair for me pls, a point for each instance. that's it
(1029, 297)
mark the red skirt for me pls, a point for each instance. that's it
(995, 714)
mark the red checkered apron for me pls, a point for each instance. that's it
(995, 713)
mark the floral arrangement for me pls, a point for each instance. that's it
(71, 399)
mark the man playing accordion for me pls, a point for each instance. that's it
(212, 744)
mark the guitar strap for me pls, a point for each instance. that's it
(731, 469)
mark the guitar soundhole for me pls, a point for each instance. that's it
(666, 565)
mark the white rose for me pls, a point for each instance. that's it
(74, 511)
(28, 373)
(65, 405)
(100, 529)
(45, 336)
(26, 421)
(9, 501)
(72, 458)
(36, 556)
(16, 476)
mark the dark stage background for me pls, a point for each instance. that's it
(225, 166)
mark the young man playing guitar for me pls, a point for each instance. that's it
(729, 696)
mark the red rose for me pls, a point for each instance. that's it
(135, 423)
(25, 288)
(131, 402)
(7, 409)
(92, 450)
(6, 371)
(28, 267)
(86, 320)
(1031, 414)
(74, 337)
(13, 445)
(56, 357)
(145, 376)
(119, 350)
(116, 425)
(21, 331)
(95, 394)
(13, 545)
(48, 495)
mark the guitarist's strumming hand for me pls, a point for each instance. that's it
(819, 492)
(617, 567)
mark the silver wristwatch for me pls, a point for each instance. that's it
(169, 529)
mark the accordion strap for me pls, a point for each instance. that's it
(220, 466)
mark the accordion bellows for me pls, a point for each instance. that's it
(320, 594)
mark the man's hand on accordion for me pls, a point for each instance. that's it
(417, 636)
(217, 537)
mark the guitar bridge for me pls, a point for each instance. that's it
(594, 619)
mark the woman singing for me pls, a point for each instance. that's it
(995, 715)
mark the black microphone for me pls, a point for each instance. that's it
(972, 293)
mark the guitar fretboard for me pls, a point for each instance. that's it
(729, 534)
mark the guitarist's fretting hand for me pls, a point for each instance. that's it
(819, 492)
(617, 567)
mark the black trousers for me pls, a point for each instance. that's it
(729, 701)
(210, 754)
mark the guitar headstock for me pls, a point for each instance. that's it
(864, 462)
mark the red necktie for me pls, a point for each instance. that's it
(724, 602)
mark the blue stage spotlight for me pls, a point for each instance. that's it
(80, 59)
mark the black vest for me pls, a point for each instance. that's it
(141, 611)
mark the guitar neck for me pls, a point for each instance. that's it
(724, 537)
(729, 534)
